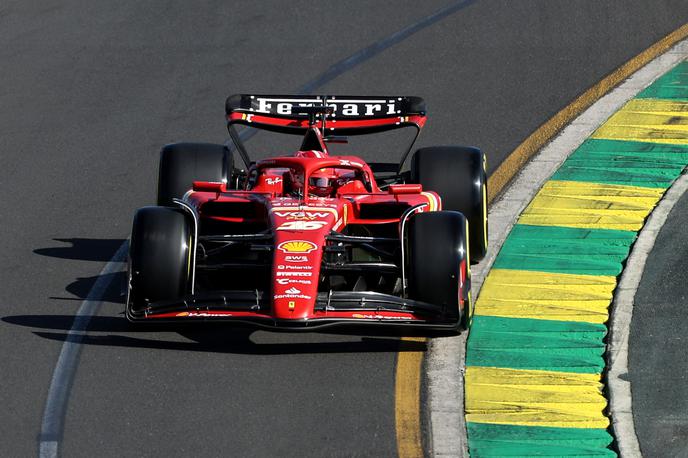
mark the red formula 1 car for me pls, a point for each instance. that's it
(306, 239)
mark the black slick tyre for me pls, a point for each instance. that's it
(457, 174)
(183, 163)
(439, 263)
(159, 257)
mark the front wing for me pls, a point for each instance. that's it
(336, 308)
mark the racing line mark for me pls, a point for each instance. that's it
(52, 425)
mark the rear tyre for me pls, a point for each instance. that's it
(159, 257)
(439, 263)
(183, 163)
(457, 174)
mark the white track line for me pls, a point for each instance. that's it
(622, 314)
(65, 368)
(445, 364)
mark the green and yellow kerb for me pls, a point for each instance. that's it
(535, 355)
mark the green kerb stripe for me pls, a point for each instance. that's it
(650, 165)
(672, 85)
(518, 343)
(565, 250)
(527, 441)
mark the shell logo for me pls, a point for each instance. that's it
(297, 246)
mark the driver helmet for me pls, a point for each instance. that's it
(322, 183)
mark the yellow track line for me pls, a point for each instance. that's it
(408, 377)
(407, 405)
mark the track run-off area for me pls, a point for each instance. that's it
(91, 90)
(535, 360)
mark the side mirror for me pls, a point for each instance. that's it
(405, 189)
(209, 186)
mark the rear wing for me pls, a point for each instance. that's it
(350, 115)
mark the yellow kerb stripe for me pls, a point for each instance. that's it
(648, 120)
(591, 205)
(534, 398)
(546, 296)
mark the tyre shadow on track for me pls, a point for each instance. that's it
(87, 249)
(217, 338)
(83, 249)
(81, 287)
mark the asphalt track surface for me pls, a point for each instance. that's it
(89, 92)
(657, 345)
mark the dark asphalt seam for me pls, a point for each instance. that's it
(52, 426)
(376, 48)
(367, 53)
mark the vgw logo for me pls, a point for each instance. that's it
(302, 215)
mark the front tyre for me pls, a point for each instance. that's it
(159, 257)
(457, 174)
(439, 264)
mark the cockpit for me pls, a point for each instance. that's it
(327, 182)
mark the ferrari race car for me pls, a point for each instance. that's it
(308, 239)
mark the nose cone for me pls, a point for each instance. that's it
(299, 237)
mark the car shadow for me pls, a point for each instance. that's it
(88, 249)
(81, 287)
(217, 338)
(116, 331)
(83, 249)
